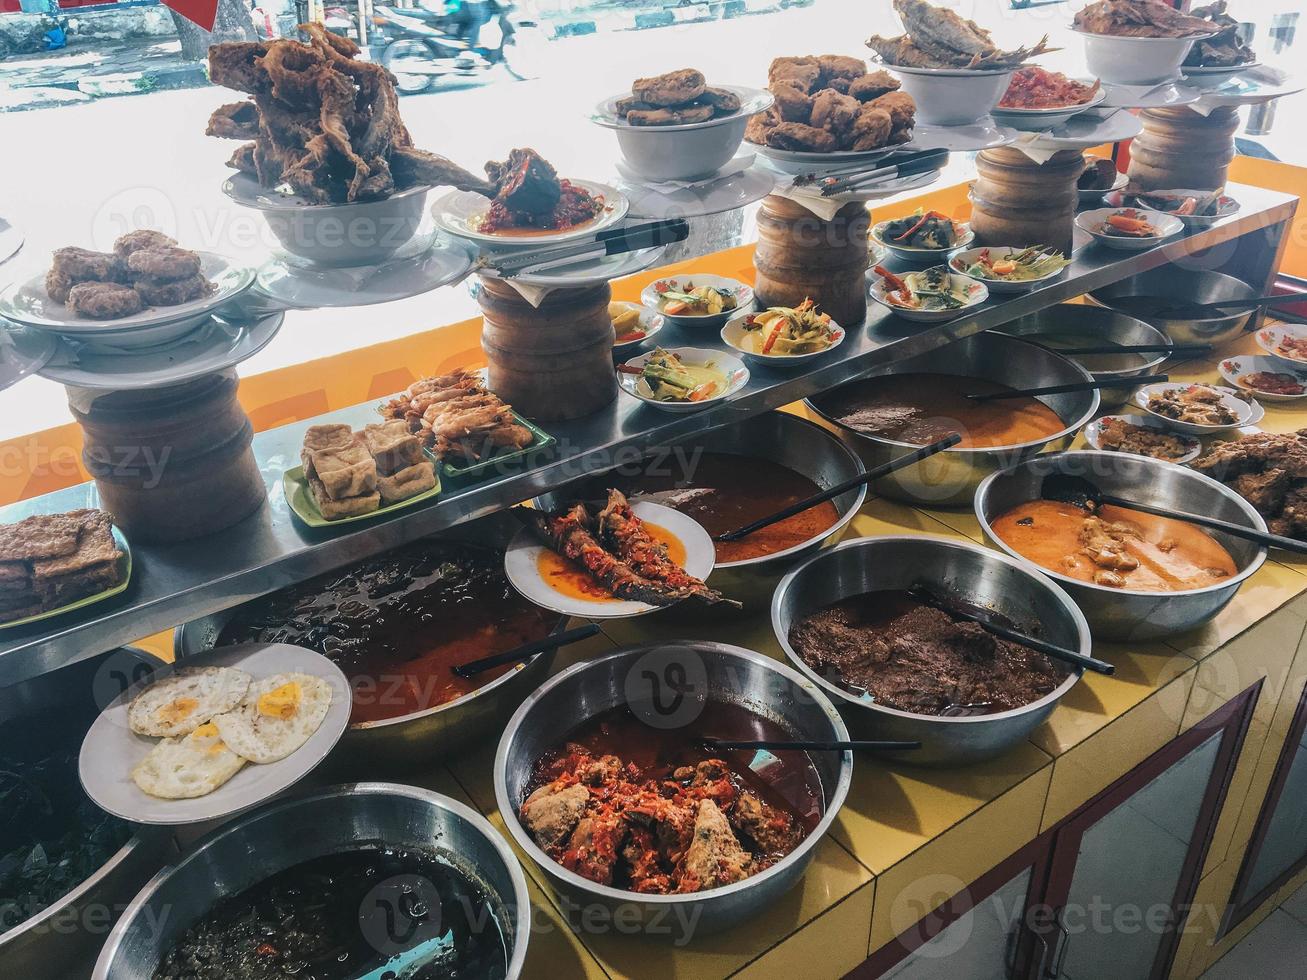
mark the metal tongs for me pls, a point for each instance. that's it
(614, 241)
(866, 176)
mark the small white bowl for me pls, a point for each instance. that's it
(1094, 431)
(1167, 225)
(1269, 339)
(652, 323)
(1037, 120)
(1201, 76)
(1227, 206)
(924, 256)
(737, 376)
(651, 294)
(961, 260)
(1135, 60)
(734, 336)
(978, 292)
(1234, 368)
(953, 96)
(1246, 413)
(687, 151)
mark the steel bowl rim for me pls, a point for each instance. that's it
(1254, 564)
(1052, 697)
(974, 450)
(1145, 368)
(1105, 301)
(835, 795)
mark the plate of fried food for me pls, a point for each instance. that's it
(1213, 60)
(1137, 42)
(611, 559)
(1037, 99)
(51, 564)
(214, 734)
(1194, 208)
(1286, 342)
(1199, 409)
(1269, 378)
(147, 292)
(830, 109)
(1141, 435)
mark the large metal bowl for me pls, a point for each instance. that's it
(1187, 285)
(634, 676)
(1124, 614)
(393, 744)
(979, 575)
(1082, 324)
(793, 442)
(950, 478)
(62, 939)
(330, 821)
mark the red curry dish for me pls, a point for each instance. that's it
(530, 197)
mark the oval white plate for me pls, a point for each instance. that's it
(1246, 413)
(111, 749)
(459, 213)
(1083, 131)
(665, 201)
(737, 376)
(1037, 119)
(984, 134)
(1167, 225)
(734, 334)
(651, 322)
(960, 260)
(1269, 338)
(1233, 368)
(929, 256)
(521, 565)
(801, 161)
(1094, 429)
(1228, 206)
(650, 296)
(978, 292)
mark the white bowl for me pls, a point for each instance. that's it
(1037, 120)
(953, 96)
(1201, 76)
(737, 376)
(961, 260)
(649, 296)
(1136, 60)
(978, 292)
(1093, 432)
(1246, 413)
(927, 256)
(687, 151)
(363, 233)
(734, 335)
(1167, 225)
(1234, 368)
(651, 322)
(1228, 206)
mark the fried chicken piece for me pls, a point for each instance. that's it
(902, 110)
(873, 85)
(141, 238)
(774, 831)
(797, 136)
(794, 104)
(413, 166)
(761, 125)
(239, 65)
(835, 113)
(57, 286)
(803, 73)
(872, 128)
(670, 117)
(84, 265)
(723, 100)
(164, 263)
(104, 300)
(835, 66)
(174, 292)
(234, 121)
(670, 89)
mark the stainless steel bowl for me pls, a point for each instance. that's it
(392, 745)
(1123, 614)
(950, 478)
(634, 676)
(793, 442)
(330, 821)
(1188, 285)
(979, 575)
(61, 940)
(1084, 324)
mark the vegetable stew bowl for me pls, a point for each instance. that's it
(976, 293)
(651, 296)
(924, 256)
(734, 336)
(962, 260)
(1091, 223)
(737, 376)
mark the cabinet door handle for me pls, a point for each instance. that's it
(1063, 942)
(1040, 956)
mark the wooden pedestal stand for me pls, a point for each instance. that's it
(1180, 148)
(800, 256)
(553, 362)
(174, 463)
(1016, 201)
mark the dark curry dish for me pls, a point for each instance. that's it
(398, 623)
(341, 916)
(914, 657)
(653, 811)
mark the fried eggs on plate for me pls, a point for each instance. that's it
(192, 765)
(186, 699)
(278, 715)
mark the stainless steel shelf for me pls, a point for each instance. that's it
(269, 550)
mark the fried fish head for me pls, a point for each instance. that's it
(104, 300)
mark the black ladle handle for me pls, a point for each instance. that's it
(1253, 302)
(875, 473)
(1141, 379)
(812, 745)
(1135, 349)
(1234, 530)
(527, 651)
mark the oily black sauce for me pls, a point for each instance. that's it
(397, 624)
(340, 916)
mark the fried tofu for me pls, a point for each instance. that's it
(408, 482)
(392, 445)
(338, 462)
(333, 509)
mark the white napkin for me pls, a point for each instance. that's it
(810, 197)
(1262, 74)
(535, 295)
(1033, 146)
(738, 165)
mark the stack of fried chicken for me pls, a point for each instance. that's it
(145, 268)
(457, 418)
(831, 102)
(1225, 50)
(938, 38)
(675, 99)
(1138, 18)
(321, 121)
(52, 560)
(1270, 472)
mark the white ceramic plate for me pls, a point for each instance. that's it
(1248, 89)
(1094, 431)
(1041, 119)
(960, 260)
(1233, 369)
(921, 256)
(984, 134)
(650, 295)
(27, 302)
(11, 240)
(978, 292)
(734, 335)
(1245, 413)
(522, 566)
(23, 351)
(662, 201)
(737, 376)
(752, 102)
(1270, 338)
(1084, 131)
(1164, 95)
(460, 212)
(1095, 196)
(1212, 76)
(802, 161)
(652, 323)
(1168, 226)
(111, 749)
(1228, 205)
(589, 271)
